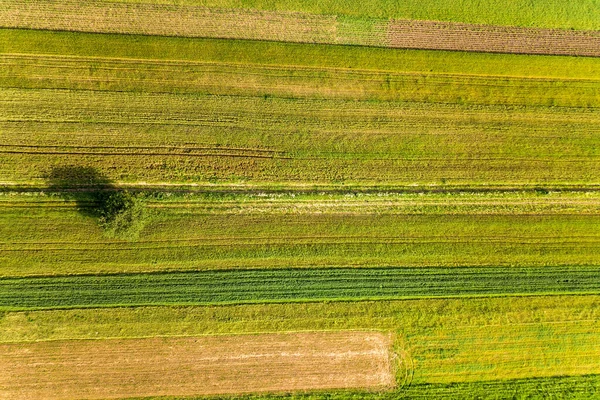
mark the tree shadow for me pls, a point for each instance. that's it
(119, 213)
(86, 186)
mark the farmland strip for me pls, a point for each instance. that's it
(195, 366)
(214, 287)
(138, 18)
(163, 52)
(53, 72)
(416, 230)
(439, 340)
(314, 141)
(467, 37)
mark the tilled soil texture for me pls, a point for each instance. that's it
(494, 39)
(103, 369)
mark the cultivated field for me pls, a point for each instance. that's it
(291, 26)
(306, 200)
(191, 366)
(44, 235)
(442, 341)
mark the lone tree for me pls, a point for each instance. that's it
(122, 214)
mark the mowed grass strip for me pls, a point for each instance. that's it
(564, 387)
(43, 235)
(196, 366)
(160, 137)
(213, 287)
(437, 340)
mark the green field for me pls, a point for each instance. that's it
(257, 113)
(449, 199)
(576, 14)
(442, 341)
(46, 235)
(160, 138)
(251, 286)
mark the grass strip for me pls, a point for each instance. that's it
(23, 41)
(438, 341)
(246, 286)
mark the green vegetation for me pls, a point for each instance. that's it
(243, 52)
(576, 14)
(122, 215)
(441, 340)
(45, 235)
(448, 198)
(210, 287)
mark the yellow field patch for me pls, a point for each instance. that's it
(95, 369)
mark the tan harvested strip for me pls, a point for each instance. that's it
(195, 366)
(113, 17)
(497, 39)
(192, 21)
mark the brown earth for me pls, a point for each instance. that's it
(103, 369)
(497, 39)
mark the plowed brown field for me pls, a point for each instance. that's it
(496, 39)
(95, 369)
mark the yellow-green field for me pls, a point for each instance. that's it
(284, 200)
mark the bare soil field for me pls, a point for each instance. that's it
(103, 369)
(496, 39)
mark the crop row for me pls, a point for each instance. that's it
(190, 21)
(212, 287)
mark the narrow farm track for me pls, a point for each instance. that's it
(194, 21)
